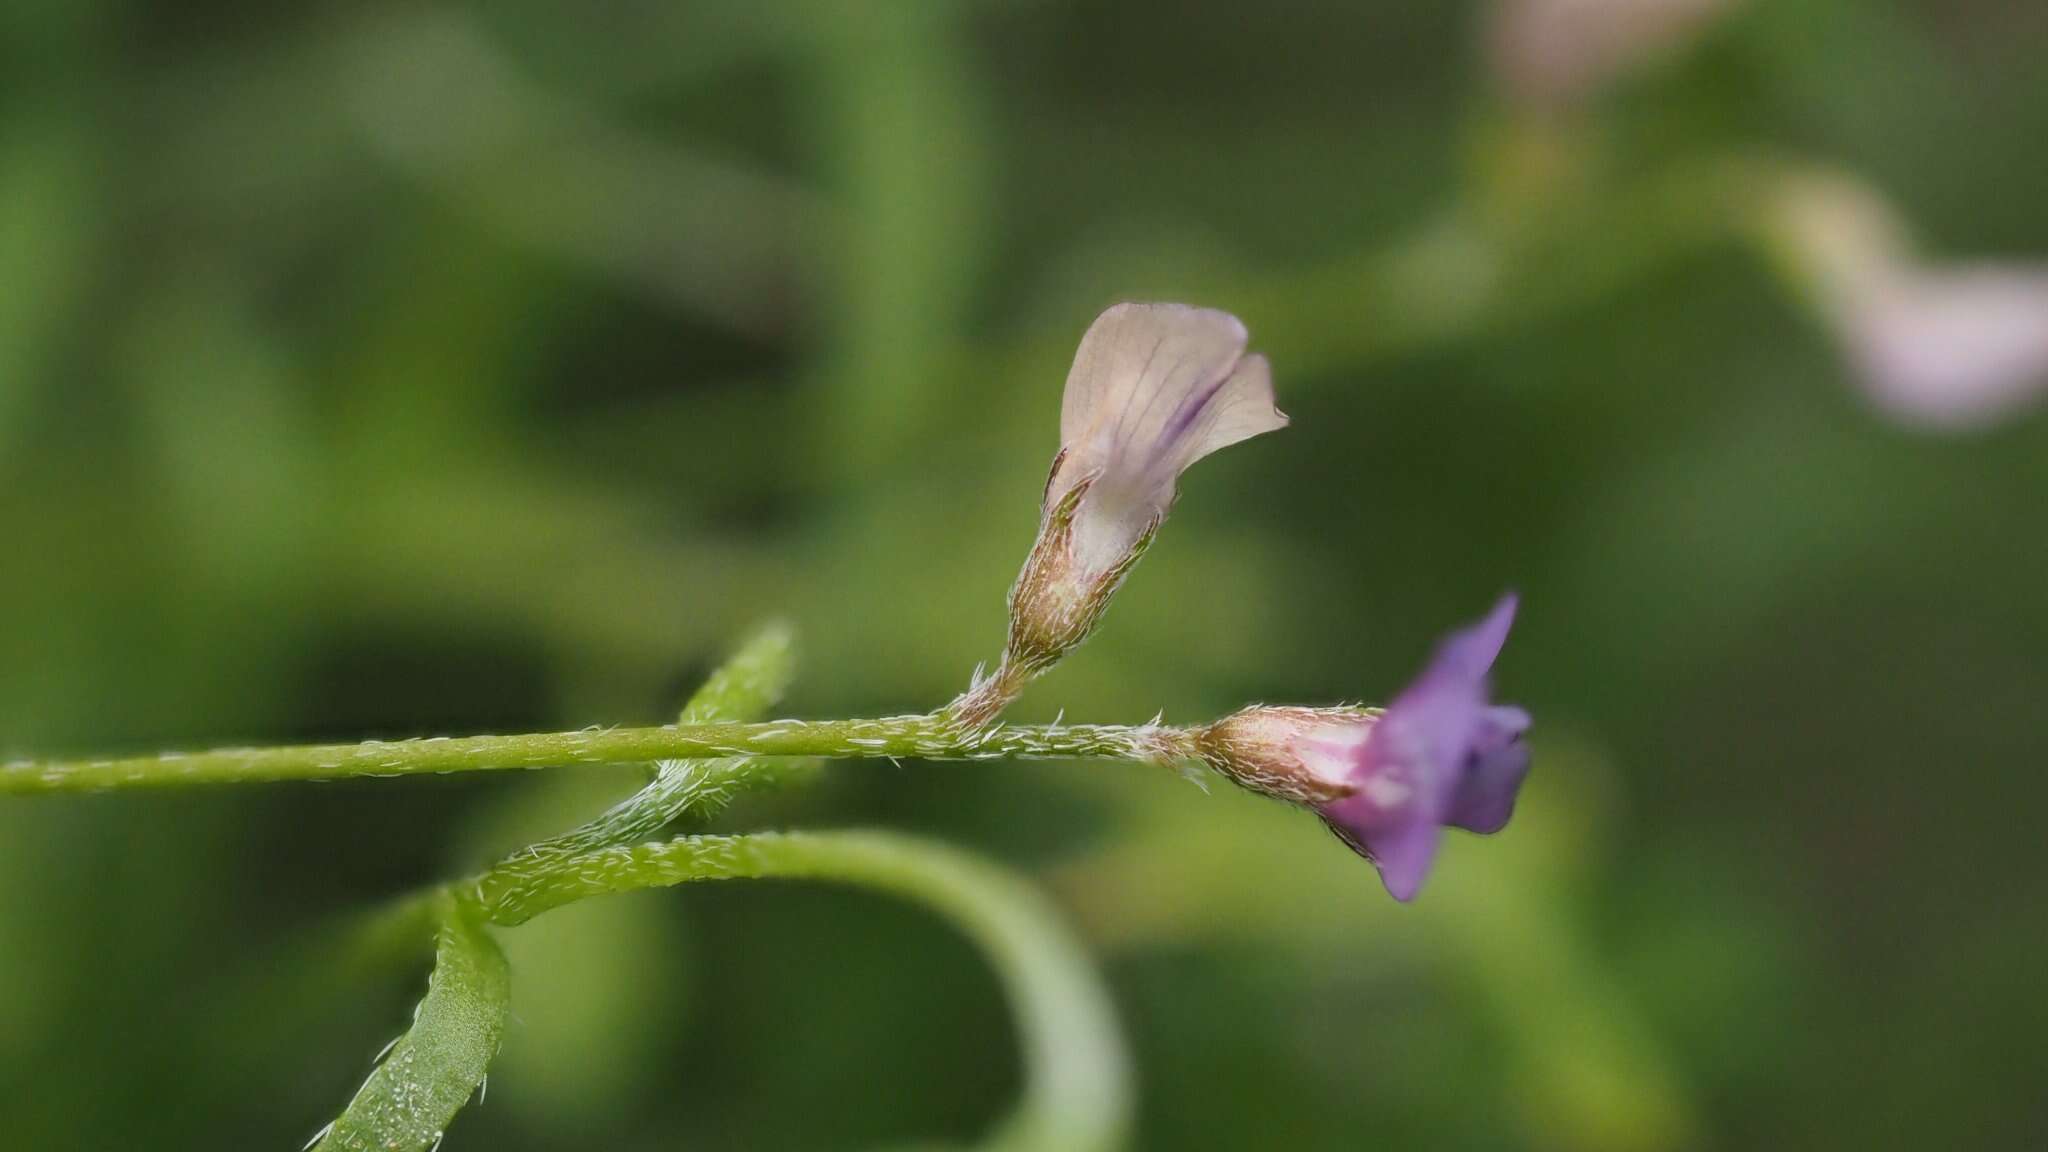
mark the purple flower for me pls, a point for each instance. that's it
(1388, 782)
(1442, 754)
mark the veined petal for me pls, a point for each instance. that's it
(1241, 408)
(1154, 388)
(1132, 352)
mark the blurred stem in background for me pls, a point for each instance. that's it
(45, 257)
(896, 121)
(722, 238)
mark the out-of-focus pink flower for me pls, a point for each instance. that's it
(1551, 52)
(1956, 348)
(1946, 347)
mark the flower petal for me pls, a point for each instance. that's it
(1154, 388)
(1440, 754)
(1401, 847)
(1404, 855)
(1493, 772)
(1443, 703)
(1394, 816)
(1135, 352)
(1239, 409)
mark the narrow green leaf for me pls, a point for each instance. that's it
(429, 1073)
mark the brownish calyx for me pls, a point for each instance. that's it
(1256, 748)
(1053, 606)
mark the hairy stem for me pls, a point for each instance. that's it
(1076, 1082)
(429, 1073)
(924, 737)
(745, 688)
(986, 698)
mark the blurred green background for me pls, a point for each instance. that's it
(402, 371)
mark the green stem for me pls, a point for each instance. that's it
(430, 1072)
(744, 689)
(1076, 1082)
(923, 737)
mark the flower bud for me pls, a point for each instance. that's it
(1057, 599)
(1301, 755)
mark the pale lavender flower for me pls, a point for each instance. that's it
(1388, 782)
(1154, 388)
(1945, 347)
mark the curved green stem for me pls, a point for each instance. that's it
(924, 737)
(1076, 1080)
(430, 1072)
